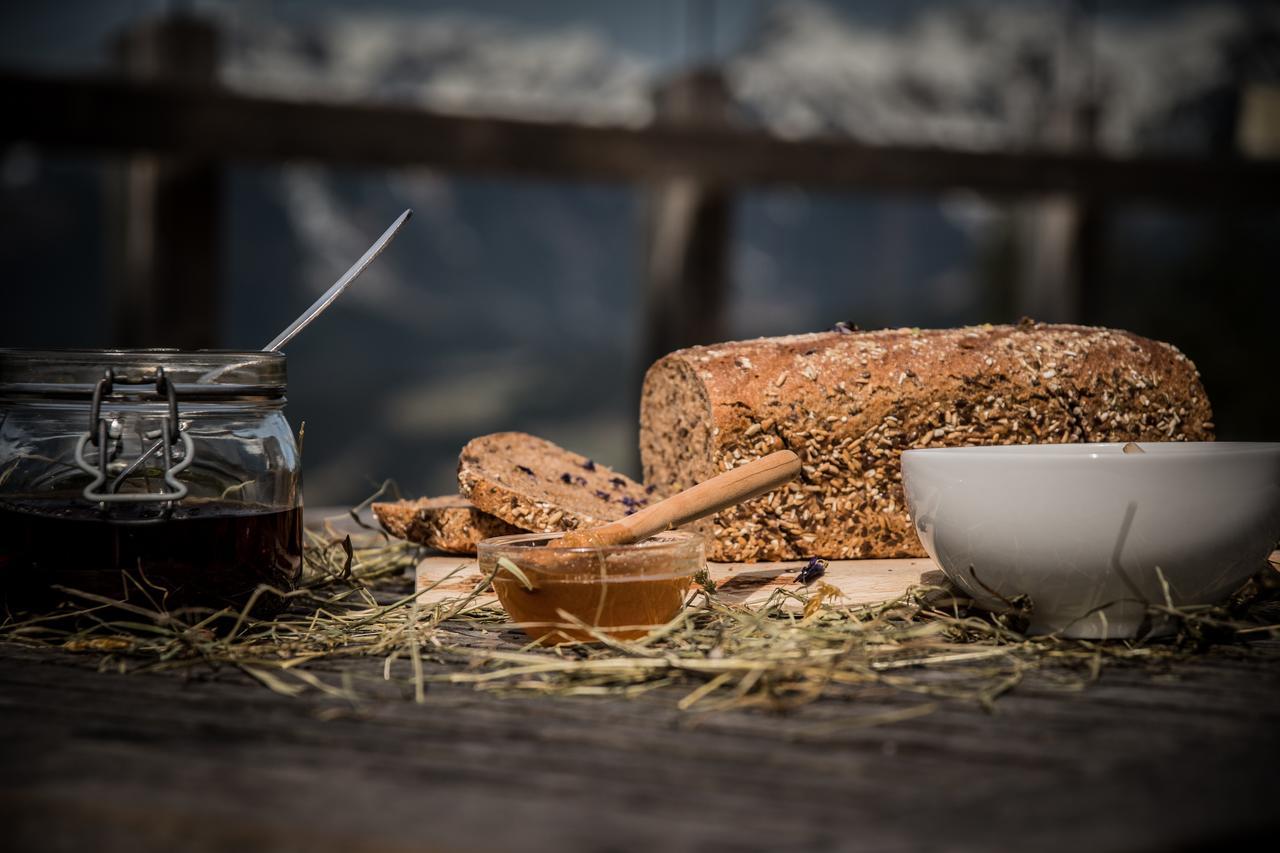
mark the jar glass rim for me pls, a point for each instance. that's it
(203, 373)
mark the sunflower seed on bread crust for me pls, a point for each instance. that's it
(536, 485)
(451, 524)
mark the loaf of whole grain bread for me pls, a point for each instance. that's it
(850, 402)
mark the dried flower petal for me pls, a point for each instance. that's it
(817, 568)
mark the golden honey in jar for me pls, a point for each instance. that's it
(574, 594)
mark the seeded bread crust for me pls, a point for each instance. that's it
(536, 485)
(849, 403)
(450, 524)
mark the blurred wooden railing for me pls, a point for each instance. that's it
(175, 118)
(122, 116)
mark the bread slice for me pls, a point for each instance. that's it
(534, 484)
(850, 402)
(451, 523)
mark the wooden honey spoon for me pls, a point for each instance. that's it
(723, 490)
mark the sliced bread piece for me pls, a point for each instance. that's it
(532, 483)
(451, 523)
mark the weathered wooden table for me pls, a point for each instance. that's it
(1185, 758)
(1181, 757)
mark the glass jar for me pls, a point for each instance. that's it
(169, 479)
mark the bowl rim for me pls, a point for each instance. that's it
(674, 540)
(1100, 450)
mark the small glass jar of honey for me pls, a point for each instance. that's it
(169, 479)
(622, 592)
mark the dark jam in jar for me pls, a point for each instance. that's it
(96, 444)
(205, 554)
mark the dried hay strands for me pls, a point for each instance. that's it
(356, 601)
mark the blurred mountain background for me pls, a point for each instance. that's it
(519, 303)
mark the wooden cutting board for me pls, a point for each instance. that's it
(860, 581)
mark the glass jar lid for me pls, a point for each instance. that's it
(194, 374)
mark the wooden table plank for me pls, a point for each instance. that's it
(1143, 760)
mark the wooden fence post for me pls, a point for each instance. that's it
(688, 226)
(166, 210)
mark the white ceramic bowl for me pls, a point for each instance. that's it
(1087, 530)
